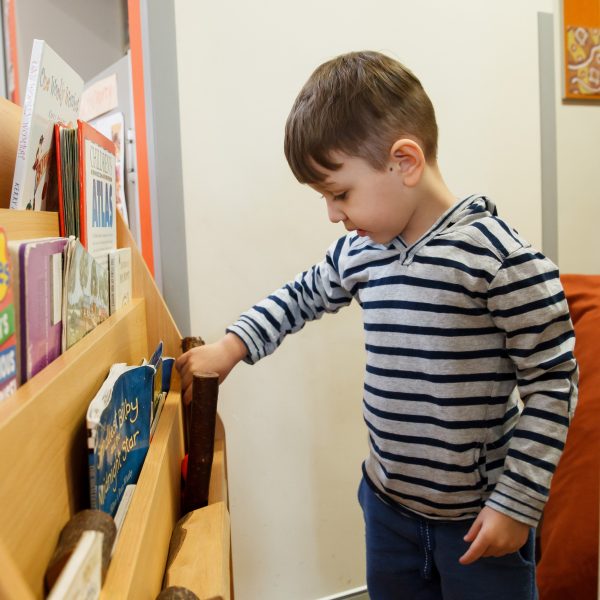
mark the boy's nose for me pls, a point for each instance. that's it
(335, 214)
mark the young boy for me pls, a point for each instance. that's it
(459, 312)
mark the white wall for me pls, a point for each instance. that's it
(89, 39)
(578, 158)
(294, 425)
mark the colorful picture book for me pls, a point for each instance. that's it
(37, 279)
(53, 95)
(118, 432)
(119, 421)
(86, 172)
(85, 294)
(119, 274)
(8, 348)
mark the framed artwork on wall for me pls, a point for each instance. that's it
(581, 34)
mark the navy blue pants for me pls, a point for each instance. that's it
(412, 558)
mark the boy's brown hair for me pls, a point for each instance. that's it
(359, 103)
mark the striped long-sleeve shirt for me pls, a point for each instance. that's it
(470, 378)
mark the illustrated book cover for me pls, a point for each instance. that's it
(37, 268)
(53, 94)
(8, 343)
(86, 173)
(119, 274)
(85, 293)
(118, 433)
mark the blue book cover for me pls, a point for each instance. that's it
(118, 424)
(162, 383)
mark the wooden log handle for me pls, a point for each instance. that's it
(85, 520)
(187, 343)
(203, 414)
(175, 592)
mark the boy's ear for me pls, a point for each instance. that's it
(406, 156)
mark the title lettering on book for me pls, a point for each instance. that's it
(102, 169)
(4, 274)
(8, 363)
(26, 117)
(102, 204)
(7, 323)
(115, 447)
(57, 87)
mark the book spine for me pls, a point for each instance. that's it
(91, 432)
(113, 281)
(17, 200)
(59, 178)
(83, 232)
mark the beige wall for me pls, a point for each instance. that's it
(578, 180)
(295, 433)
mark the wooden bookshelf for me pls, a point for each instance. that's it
(43, 461)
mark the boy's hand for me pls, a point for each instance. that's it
(493, 534)
(219, 357)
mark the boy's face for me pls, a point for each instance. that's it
(373, 203)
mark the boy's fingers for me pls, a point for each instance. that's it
(187, 395)
(186, 380)
(475, 551)
(181, 361)
(473, 531)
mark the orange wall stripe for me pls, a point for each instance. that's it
(12, 44)
(585, 13)
(139, 107)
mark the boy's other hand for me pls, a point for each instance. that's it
(493, 534)
(219, 357)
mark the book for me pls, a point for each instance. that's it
(122, 511)
(162, 382)
(37, 269)
(119, 274)
(118, 433)
(85, 301)
(113, 127)
(86, 173)
(53, 94)
(81, 577)
(8, 346)
(120, 421)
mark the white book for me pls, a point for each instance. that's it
(122, 511)
(81, 577)
(53, 95)
(119, 270)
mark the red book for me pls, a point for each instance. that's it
(86, 167)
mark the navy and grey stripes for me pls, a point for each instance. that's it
(470, 379)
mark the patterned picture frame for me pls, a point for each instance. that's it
(581, 31)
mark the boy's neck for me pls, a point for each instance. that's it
(432, 199)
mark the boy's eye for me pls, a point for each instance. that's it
(341, 196)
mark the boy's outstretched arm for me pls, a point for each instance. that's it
(493, 534)
(260, 330)
(219, 357)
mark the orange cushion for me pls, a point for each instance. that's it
(568, 567)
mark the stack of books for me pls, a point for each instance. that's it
(55, 290)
